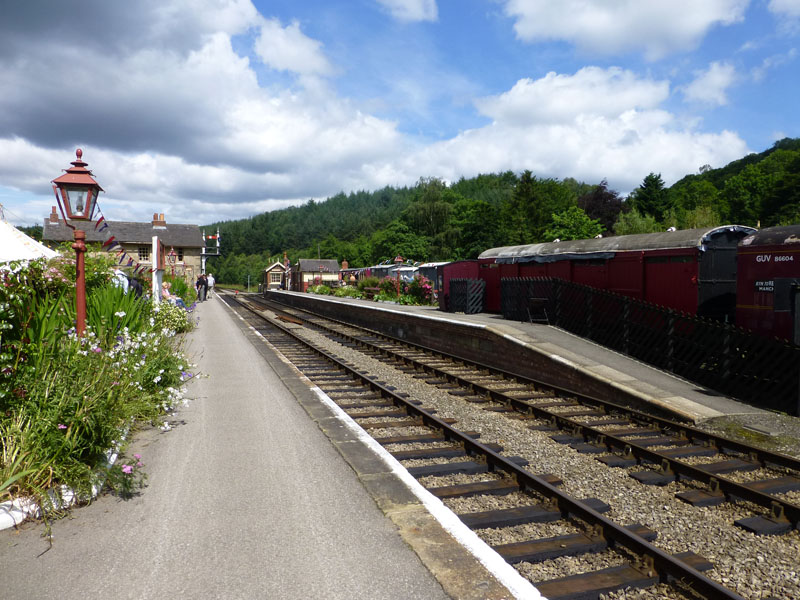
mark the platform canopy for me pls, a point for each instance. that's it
(15, 245)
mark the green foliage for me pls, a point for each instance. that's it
(651, 198)
(319, 289)
(396, 239)
(418, 291)
(367, 282)
(602, 204)
(65, 401)
(434, 221)
(573, 224)
(634, 222)
(171, 318)
(388, 285)
(109, 310)
(179, 287)
(348, 291)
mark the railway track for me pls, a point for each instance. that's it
(434, 451)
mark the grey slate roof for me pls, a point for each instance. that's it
(312, 265)
(179, 236)
(685, 238)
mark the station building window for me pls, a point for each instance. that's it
(144, 253)
(275, 277)
(179, 251)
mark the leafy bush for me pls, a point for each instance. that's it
(419, 289)
(348, 291)
(388, 286)
(367, 282)
(171, 318)
(65, 401)
(319, 289)
(110, 310)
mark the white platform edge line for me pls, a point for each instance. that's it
(494, 563)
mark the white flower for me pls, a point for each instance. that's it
(120, 314)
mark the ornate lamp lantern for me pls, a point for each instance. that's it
(76, 193)
(172, 258)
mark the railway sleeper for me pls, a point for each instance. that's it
(774, 524)
(431, 453)
(564, 545)
(499, 487)
(589, 586)
(424, 438)
(468, 467)
(521, 515)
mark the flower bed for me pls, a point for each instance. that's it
(65, 401)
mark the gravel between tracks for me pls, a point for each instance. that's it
(756, 567)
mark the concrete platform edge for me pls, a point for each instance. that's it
(450, 550)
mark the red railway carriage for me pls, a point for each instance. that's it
(768, 292)
(692, 270)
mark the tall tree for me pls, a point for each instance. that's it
(602, 204)
(651, 198)
(573, 224)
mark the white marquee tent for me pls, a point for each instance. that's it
(15, 245)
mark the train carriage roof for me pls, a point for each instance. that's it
(774, 236)
(607, 247)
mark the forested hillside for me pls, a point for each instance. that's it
(434, 221)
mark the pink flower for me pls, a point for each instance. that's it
(127, 469)
(137, 456)
(62, 426)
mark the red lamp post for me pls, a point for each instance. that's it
(398, 260)
(76, 193)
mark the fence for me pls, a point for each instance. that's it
(466, 295)
(760, 371)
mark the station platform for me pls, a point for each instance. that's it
(649, 386)
(262, 488)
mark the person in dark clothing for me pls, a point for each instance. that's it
(202, 287)
(135, 286)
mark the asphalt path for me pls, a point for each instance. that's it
(245, 498)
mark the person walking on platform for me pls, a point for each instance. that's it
(210, 284)
(202, 287)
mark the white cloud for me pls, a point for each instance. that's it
(773, 62)
(710, 86)
(411, 10)
(787, 8)
(179, 123)
(592, 125)
(610, 28)
(287, 48)
(560, 98)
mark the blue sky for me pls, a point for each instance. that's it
(220, 109)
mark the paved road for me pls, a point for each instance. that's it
(225, 513)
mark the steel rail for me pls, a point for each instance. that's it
(654, 559)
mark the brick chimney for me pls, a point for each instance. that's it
(53, 215)
(158, 220)
(345, 264)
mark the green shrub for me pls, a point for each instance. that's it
(170, 317)
(388, 286)
(367, 282)
(348, 291)
(319, 289)
(65, 401)
(419, 290)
